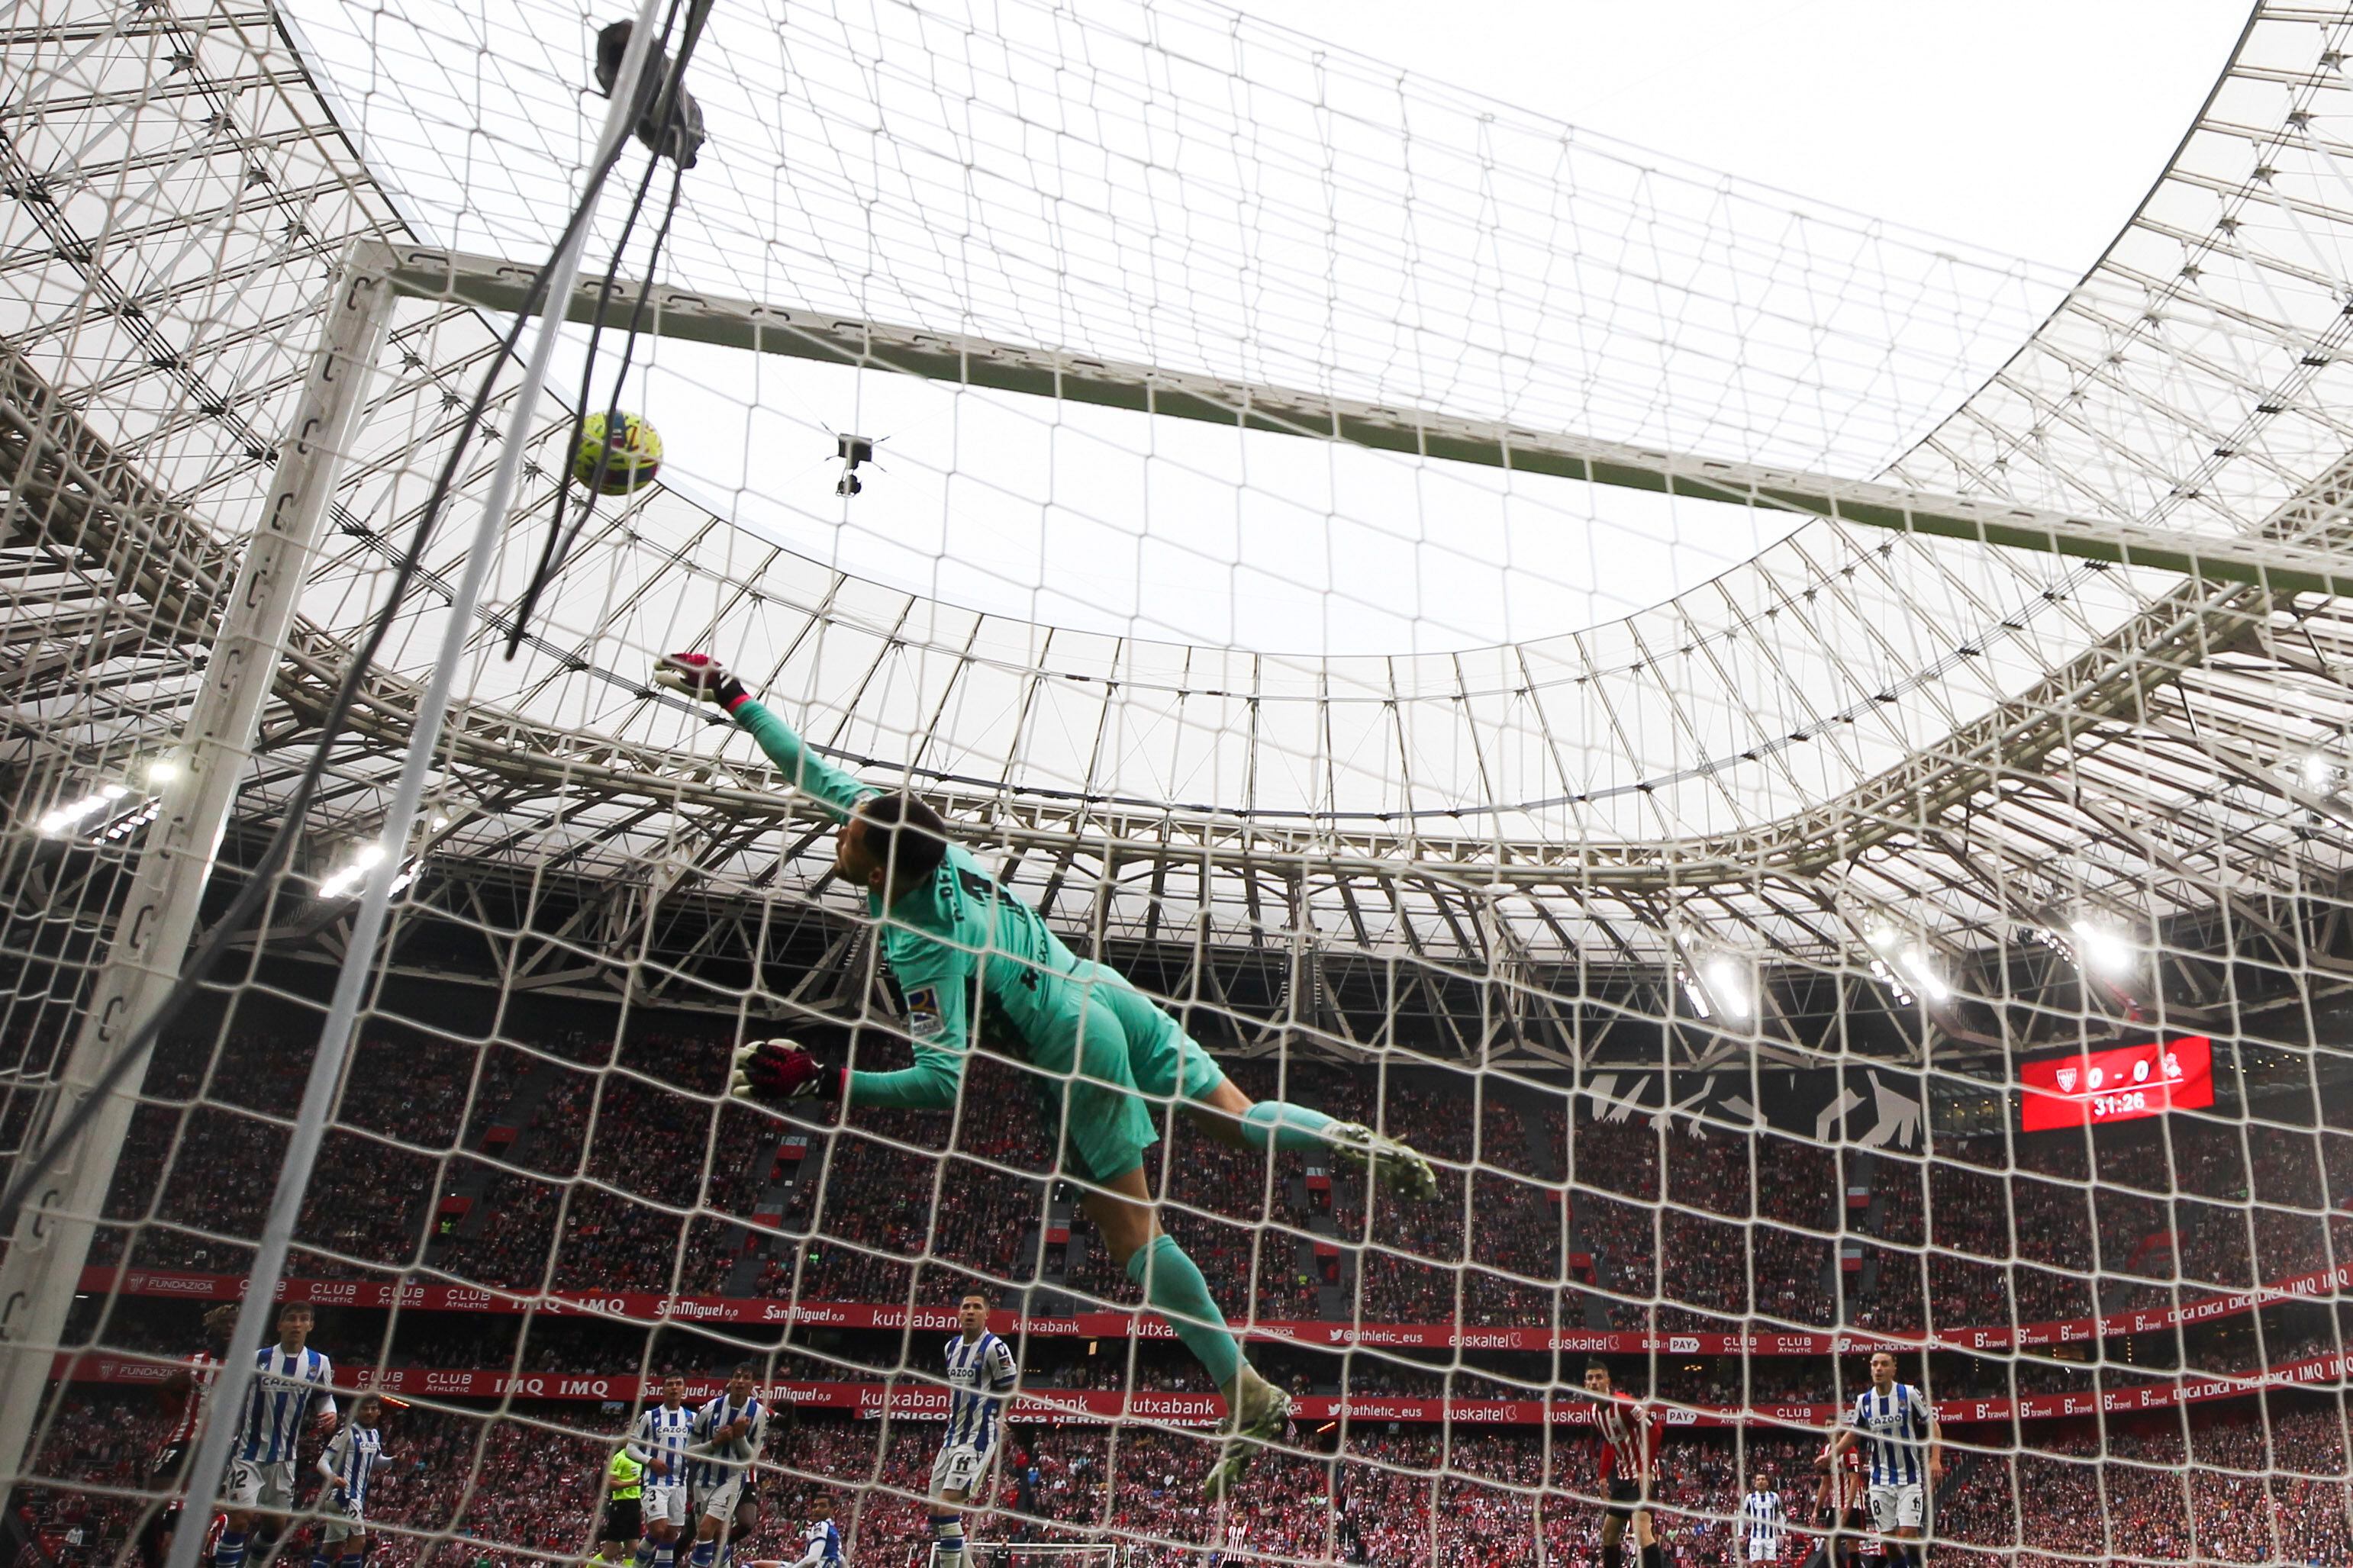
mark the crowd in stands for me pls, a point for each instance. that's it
(509, 1244)
(556, 1127)
(2237, 1490)
(568, 1161)
(438, 1145)
(1968, 1238)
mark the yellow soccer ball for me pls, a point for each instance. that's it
(631, 465)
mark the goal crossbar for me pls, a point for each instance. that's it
(693, 315)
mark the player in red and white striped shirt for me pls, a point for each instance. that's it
(1840, 1505)
(167, 1472)
(1628, 1431)
(1237, 1541)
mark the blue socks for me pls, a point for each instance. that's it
(704, 1554)
(230, 1553)
(1293, 1128)
(1173, 1288)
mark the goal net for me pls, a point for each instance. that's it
(1801, 766)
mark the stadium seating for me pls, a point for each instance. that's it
(1685, 1227)
(624, 1182)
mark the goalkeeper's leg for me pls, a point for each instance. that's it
(1256, 1410)
(1168, 1063)
(1108, 1129)
(1231, 1117)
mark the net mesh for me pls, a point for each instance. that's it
(1721, 899)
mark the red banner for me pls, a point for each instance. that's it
(2120, 1085)
(645, 1307)
(926, 1400)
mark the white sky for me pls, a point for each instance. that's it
(2032, 127)
(1637, 307)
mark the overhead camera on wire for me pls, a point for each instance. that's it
(853, 450)
(671, 129)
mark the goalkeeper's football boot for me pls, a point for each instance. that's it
(1257, 1411)
(1394, 1164)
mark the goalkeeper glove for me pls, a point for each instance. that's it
(770, 1071)
(700, 676)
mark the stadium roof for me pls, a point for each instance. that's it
(1821, 729)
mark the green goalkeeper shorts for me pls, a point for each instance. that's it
(1116, 1059)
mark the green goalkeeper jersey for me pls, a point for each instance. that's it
(937, 939)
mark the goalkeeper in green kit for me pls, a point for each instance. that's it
(947, 930)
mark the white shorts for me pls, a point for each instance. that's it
(718, 1501)
(958, 1468)
(664, 1502)
(1899, 1507)
(339, 1522)
(1763, 1552)
(254, 1487)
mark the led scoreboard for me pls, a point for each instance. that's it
(2117, 1084)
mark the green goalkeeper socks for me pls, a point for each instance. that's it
(1175, 1289)
(1283, 1125)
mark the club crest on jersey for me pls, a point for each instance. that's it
(923, 1020)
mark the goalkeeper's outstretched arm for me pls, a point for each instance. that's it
(769, 1070)
(936, 982)
(937, 1004)
(701, 676)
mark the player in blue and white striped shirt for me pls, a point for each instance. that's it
(728, 1432)
(1905, 1449)
(981, 1378)
(289, 1381)
(350, 1459)
(821, 1542)
(1762, 1521)
(660, 1441)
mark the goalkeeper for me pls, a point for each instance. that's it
(945, 926)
